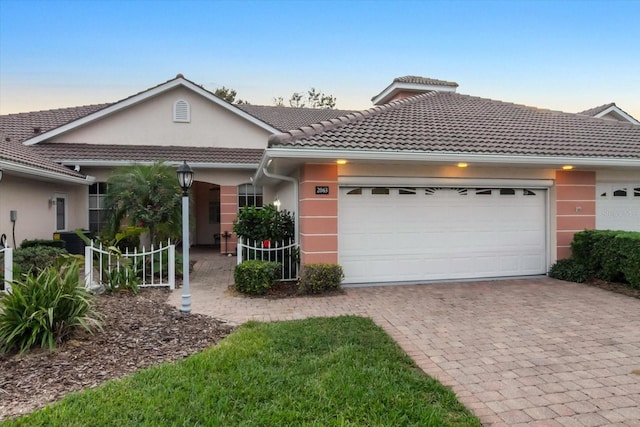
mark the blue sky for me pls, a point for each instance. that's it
(563, 55)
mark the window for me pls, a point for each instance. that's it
(181, 111)
(214, 212)
(61, 212)
(621, 192)
(483, 191)
(249, 195)
(507, 191)
(636, 192)
(528, 192)
(407, 191)
(355, 192)
(97, 206)
(380, 191)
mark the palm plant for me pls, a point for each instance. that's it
(147, 196)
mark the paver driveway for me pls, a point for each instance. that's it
(535, 352)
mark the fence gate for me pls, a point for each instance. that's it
(285, 253)
(7, 254)
(154, 268)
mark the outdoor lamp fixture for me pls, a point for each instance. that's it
(185, 178)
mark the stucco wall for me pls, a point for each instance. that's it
(35, 216)
(151, 123)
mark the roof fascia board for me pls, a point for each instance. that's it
(150, 93)
(408, 156)
(618, 111)
(396, 87)
(115, 163)
(47, 175)
(394, 181)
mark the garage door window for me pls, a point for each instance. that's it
(380, 191)
(355, 192)
(407, 191)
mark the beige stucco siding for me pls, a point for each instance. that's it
(35, 216)
(151, 123)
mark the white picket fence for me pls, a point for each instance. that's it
(284, 252)
(8, 268)
(155, 268)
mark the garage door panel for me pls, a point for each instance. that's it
(445, 235)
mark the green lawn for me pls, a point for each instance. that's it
(342, 371)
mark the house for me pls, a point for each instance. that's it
(429, 184)
(173, 121)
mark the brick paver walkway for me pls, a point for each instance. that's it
(530, 352)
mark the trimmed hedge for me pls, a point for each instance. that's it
(255, 277)
(42, 242)
(320, 278)
(35, 258)
(608, 255)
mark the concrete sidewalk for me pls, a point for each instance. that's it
(530, 352)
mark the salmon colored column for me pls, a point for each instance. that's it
(228, 213)
(575, 207)
(318, 214)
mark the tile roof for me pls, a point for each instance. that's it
(16, 153)
(285, 118)
(424, 81)
(22, 126)
(62, 152)
(596, 110)
(447, 122)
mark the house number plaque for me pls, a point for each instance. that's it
(322, 189)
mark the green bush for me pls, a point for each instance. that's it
(629, 249)
(35, 258)
(266, 223)
(44, 309)
(255, 277)
(320, 278)
(609, 255)
(570, 270)
(42, 242)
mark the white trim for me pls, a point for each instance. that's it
(150, 93)
(618, 111)
(422, 156)
(43, 173)
(396, 87)
(371, 181)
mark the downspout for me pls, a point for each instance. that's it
(296, 218)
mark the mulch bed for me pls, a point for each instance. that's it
(138, 331)
(619, 288)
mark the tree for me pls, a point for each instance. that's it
(147, 196)
(313, 99)
(229, 95)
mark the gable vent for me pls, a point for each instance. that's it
(181, 111)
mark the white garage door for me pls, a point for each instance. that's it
(413, 234)
(618, 206)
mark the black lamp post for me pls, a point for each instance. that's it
(185, 178)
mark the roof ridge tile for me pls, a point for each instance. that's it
(353, 117)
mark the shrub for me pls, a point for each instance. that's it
(255, 277)
(320, 278)
(42, 242)
(44, 309)
(118, 272)
(570, 270)
(629, 249)
(609, 255)
(35, 258)
(266, 223)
